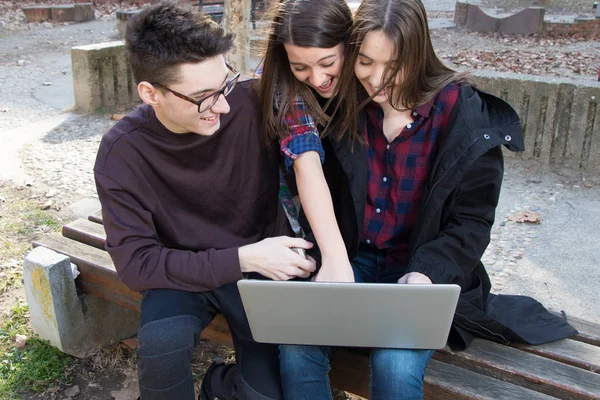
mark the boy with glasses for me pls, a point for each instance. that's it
(189, 195)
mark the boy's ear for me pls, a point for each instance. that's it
(148, 93)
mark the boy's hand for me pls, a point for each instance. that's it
(273, 258)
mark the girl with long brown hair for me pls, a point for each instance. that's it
(300, 80)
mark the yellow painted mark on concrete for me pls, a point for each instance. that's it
(41, 287)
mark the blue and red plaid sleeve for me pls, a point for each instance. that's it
(303, 134)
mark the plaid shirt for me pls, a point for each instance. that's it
(398, 172)
(303, 135)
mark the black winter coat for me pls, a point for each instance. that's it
(455, 220)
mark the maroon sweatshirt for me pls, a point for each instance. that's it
(176, 207)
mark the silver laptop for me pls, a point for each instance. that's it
(350, 314)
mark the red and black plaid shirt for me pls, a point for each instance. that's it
(398, 172)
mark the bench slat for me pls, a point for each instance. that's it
(589, 332)
(525, 369)
(568, 351)
(98, 275)
(451, 382)
(96, 217)
(85, 231)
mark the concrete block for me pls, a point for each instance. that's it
(84, 12)
(63, 13)
(76, 325)
(579, 141)
(559, 117)
(123, 16)
(479, 20)
(524, 22)
(460, 13)
(37, 13)
(102, 76)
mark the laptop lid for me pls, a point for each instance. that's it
(349, 314)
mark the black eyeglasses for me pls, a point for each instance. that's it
(207, 102)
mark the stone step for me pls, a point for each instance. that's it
(79, 12)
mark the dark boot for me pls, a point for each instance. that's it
(218, 382)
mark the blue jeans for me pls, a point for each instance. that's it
(395, 373)
(171, 323)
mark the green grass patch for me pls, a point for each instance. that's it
(35, 367)
(20, 222)
(10, 280)
(23, 218)
(40, 217)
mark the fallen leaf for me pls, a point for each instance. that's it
(131, 343)
(51, 193)
(525, 216)
(20, 341)
(117, 117)
(45, 205)
(72, 391)
(588, 185)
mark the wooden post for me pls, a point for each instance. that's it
(236, 19)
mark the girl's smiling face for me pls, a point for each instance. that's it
(375, 53)
(317, 67)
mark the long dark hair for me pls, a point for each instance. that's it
(305, 23)
(404, 22)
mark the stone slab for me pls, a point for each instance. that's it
(37, 13)
(76, 325)
(101, 76)
(527, 21)
(84, 12)
(63, 13)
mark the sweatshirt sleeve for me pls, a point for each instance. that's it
(142, 262)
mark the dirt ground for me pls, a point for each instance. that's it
(111, 374)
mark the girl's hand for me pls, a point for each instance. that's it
(335, 272)
(415, 277)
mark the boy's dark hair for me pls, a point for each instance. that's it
(166, 35)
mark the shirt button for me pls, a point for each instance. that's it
(409, 126)
(368, 241)
(378, 210)
(385, 179)
(414, 114)
(387, 146)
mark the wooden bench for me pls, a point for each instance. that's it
(566, 369)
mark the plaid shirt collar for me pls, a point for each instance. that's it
(423, 110)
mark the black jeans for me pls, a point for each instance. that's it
(170, 327)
